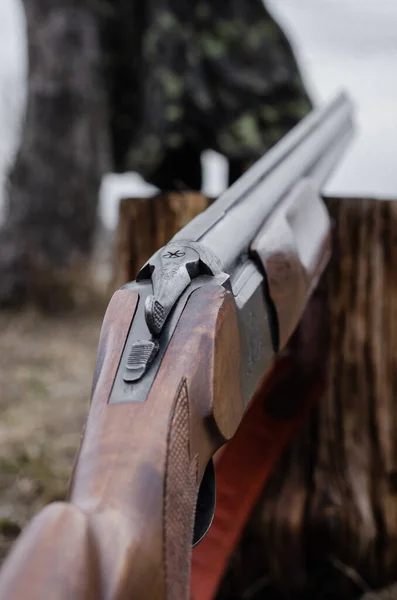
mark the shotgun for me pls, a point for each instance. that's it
(182, 351)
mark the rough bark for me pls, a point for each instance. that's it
(52, 205)
(326, 526)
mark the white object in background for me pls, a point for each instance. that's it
(215, 173)
(115, 187)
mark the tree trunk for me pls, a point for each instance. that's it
(52, 205)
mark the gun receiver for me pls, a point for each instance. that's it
(181, 353)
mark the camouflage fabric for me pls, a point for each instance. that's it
(201, 74)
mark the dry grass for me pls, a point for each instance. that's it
(46, 366)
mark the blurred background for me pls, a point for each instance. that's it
(51, 316)
(349, 44)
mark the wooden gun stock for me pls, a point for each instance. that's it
(127, 529)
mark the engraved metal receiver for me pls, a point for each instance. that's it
(171, 270)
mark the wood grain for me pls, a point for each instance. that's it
(120, 478)
(115, 328)
(130, 520)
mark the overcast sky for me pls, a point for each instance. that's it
(350, 44)
(353, 44)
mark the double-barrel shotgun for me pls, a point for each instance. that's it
(182, 351)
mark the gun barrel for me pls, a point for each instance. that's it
(310, 150)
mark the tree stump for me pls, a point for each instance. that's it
(326, 526)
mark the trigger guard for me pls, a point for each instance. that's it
(206, 501)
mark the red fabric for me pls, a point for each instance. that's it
(243, 469)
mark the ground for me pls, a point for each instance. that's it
(46, 366)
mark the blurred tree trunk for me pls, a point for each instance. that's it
(52, 204)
